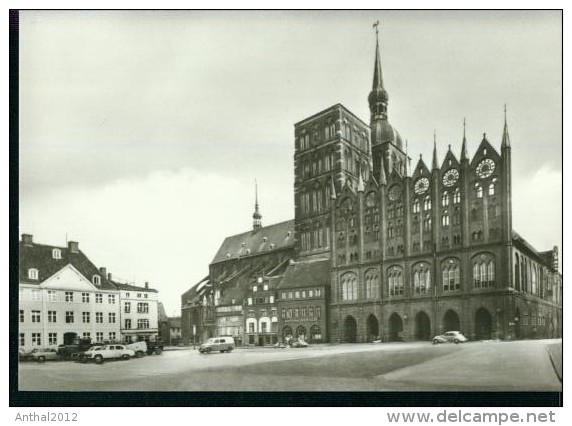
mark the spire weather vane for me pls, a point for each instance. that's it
(376, 25)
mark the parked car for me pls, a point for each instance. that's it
(43, 355)
(221, 344)
(101, 353)
(299, 344)
(24, 355)
(450, 336)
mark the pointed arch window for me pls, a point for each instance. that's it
(478, 190)
(427, 222)
(427, 203)
(484, 271)
(456, 196)
(492, 186)
(421, 278)
(56, 254)
(451, 275)
(371, 284)
(445, 219)
(416, 206)
(395, 277)
(445, 199)
(349, 287)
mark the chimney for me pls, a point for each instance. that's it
(103, 272)
(109, 276)
(27, 239)
(73, 246)
(146, 284)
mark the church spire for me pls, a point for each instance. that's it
(505, 136)
(378, 96)
(256, 216)
(464, 152)
(435, 162)
(377, 76)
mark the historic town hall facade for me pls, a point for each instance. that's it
(379, 249)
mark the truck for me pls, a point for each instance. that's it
(75, 348)
(155, 347)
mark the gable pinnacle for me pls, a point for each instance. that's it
(435, 164)
(464, 152)
(360, 184)
(505, 136)
(333, 189)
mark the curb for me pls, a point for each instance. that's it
(555, 359)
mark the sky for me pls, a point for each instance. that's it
(141, 133)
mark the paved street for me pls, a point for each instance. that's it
(486, 366)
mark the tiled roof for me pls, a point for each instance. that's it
(122, 286)
(518, 240)
(315, 273)
(39, 256)
(193, 294)
(268, 238)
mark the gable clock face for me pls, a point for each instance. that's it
(421, 186)
(485, 168)
(451, 177)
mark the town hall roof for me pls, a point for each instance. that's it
(308, 273)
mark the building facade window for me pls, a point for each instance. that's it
(99, 336)
(69, 317)
(457, 196)
(36, 339)
(98, 298)
(451, 275)
(22, 317)
(22, 339)
(421, 278)
(52, 339)
(484, 271)
(127, 307)
(56, 254)
(349, 287)
(36, 316)
(52, 296)
(96, 279)
(99, 317)
(111, 299)
(395, 281)
(33, 273)
(142, 308)
(112, 336)
(69, 296)
(85, 317)
(127, 323)
(52, 316)
(142, 324)
(112, 317)
(85, 298)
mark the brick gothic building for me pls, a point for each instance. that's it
(410, 252)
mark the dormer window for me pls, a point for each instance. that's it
(247, 251)
(96, 279)
(272, 246)
(33, 273)
(264, 239)
(243, 244)
(255, 289)
(259, 280)
(265, 287)
(56, 254)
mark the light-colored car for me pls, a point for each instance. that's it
(450, 336)
(299, 344)
(44, 355)
(221, 344)
(101, 353)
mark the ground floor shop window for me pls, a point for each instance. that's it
(315, 334)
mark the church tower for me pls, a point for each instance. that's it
(256, 216)
(386, 142)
